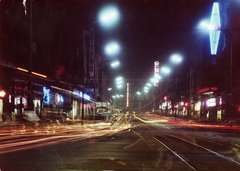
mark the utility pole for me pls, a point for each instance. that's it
(230, 101)
(190, 92)
(30, 105)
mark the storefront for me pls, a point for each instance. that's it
(211, 108)
(14, 101)
(83, 108)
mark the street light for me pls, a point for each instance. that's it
(119, 82)
(115, 64)
(112, 48)
(166, 70)
(109, 16)
(138, 93)
(175, 59)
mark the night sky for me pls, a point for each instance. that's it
(148, 31)
(152, 30)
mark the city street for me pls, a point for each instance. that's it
(151, 142)
(134, 85)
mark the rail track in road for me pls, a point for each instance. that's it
(193, 155)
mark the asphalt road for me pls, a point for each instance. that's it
(146, 146)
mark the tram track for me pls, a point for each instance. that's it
(194, 156)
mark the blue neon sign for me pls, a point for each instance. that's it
(215, 26)
(80, 94)
(46, 95)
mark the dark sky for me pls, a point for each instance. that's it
(152, 30)
(148, 30)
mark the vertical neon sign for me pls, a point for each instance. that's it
(156, 73)
(215, 26)
(128, 96)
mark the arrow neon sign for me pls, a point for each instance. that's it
(215, 26)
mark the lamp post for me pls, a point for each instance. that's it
(30, 105)
(107, 17)
(166, 70)
(176, 59)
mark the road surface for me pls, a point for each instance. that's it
(150, 144)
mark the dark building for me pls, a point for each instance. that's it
(219, 90)
(41, 46)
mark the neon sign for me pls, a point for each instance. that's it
(46, 95)
(80, 94)
(215, 26)
(128, 95)
(156, 73)
(207, 89)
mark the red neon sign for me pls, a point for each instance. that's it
(207, 89)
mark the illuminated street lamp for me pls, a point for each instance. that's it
(115, 64)
(112, 48)
(109, 16)
(176, 58)
(138, 93)
(146, 89)
(166, 70)
(119, 82)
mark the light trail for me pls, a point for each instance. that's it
(152, 121)
(23, 138)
